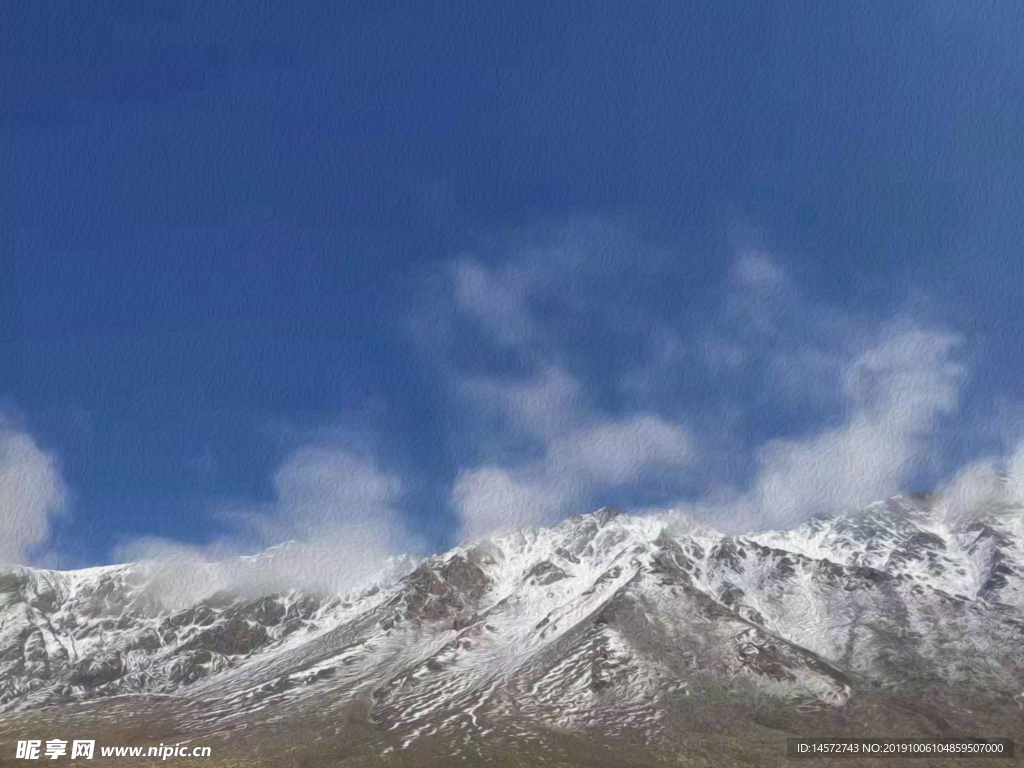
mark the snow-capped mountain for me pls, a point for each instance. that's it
(605, 621)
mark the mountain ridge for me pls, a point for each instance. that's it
(604, 622)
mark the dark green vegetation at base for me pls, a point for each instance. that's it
(694, 736)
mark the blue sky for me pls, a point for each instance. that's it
(388, 275)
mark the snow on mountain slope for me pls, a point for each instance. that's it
(603, 621)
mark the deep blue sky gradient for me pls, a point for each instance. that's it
(217, 219)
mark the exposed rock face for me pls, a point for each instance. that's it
(604, 621)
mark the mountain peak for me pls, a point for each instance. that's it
(602, 515)
(606, 514)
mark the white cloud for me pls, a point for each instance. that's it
(887, 379)
(31, 488)
(1014, 472)
(323, 489)
(758, 270)
(491, 498)
(896, 388)
(758, 287)
(617, 452)
(582, 452)
(337, 511)
(975, 486)
(543, 407)
(582, 449)
(984, 485)
(497, 298)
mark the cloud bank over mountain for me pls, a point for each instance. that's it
(867, 396)
(568, 379)
(336, 514)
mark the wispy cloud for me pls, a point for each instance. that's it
(542, 445)
(582, 451)
(864, 395)
(337, 511)
(983, 485)
(31, 490)
(496, 298)
(690, 411)
(895, 388)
